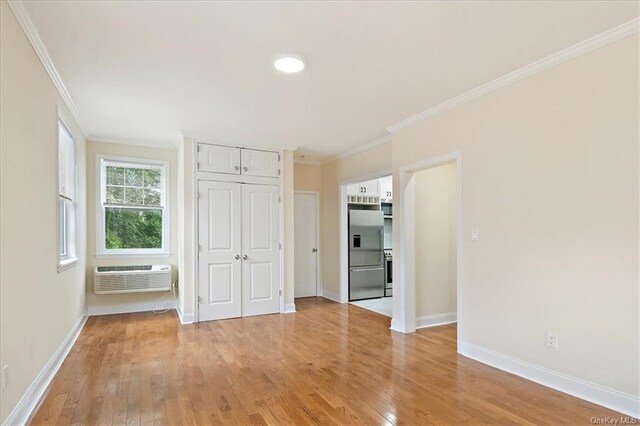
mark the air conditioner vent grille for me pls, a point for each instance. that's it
(147, 278)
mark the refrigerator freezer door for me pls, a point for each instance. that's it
(366, 283)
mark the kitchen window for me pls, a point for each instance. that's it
(133, 213)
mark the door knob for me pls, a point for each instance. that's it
(245, 257)
(237, 256)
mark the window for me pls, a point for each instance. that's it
(133, 213)
(67, 203)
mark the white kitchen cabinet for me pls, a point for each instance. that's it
(218, 159)
(260, 163)
(386, 188)
(369, 188)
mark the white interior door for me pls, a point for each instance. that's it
(306, 244)
(260, 237)
(219, 239)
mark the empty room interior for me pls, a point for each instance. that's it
(389, 212)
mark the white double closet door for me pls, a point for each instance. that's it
(239, 265)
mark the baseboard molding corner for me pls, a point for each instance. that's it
(185, 318)
(331, 295)
(32, 397)
(289, 308)
(594, 393)
(437, 319)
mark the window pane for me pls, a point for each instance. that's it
(134, 177)
(152, 178)
(133, 228)
(115, 175)
(151, 197)
(134, 196)
(115, 194)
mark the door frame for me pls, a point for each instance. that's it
(404, 311)
(316, 194)
(343, 264)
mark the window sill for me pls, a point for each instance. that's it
(67, 264)
(131, 255)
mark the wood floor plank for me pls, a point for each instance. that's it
(328, 363)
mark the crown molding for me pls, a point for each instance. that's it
(579, 49)
(136, 142)
(358, 149)
(310, 162)
(17, 6)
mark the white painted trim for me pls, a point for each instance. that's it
(128, 308)
(289, 308)
(435, 320)
(344, 232)
(101, 250)
(318, 239)
(331, 296)
(309, 162)
(185, 318)
(579, 49)
(358, 149)
(17, 6)
(592, 392)
(404, 256)
(34, 394)
(137, 142)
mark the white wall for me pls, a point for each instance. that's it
(38, 306)
(98, 304)
(550, 177)
(435, 240)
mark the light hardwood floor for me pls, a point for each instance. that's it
(328, 363)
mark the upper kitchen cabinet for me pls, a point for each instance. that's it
(369, 188)
(238, 161)
(260, 163)
(386, 188)
(218, 159)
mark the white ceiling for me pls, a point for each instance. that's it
(146, 71)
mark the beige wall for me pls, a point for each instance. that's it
(435, 240)
(377, 159)
(129, 302)
(307, 177)
(38, 305)
(550, 178)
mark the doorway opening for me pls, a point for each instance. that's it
(429, 269)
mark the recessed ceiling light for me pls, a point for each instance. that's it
(289, 64)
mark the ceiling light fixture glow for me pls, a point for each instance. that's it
(289, 64)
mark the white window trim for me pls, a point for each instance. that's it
(101, 250)
(69, 260)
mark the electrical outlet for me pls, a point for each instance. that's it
(552, 339)
(5, 376)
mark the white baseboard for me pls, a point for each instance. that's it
(437, 319)
(127, 308)
(289, 308)
(185, 318)
(597, 394)
(31, 398)
(331, 296)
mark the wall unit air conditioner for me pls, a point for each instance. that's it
(131, 279)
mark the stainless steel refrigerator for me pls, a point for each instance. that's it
(366, 255)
